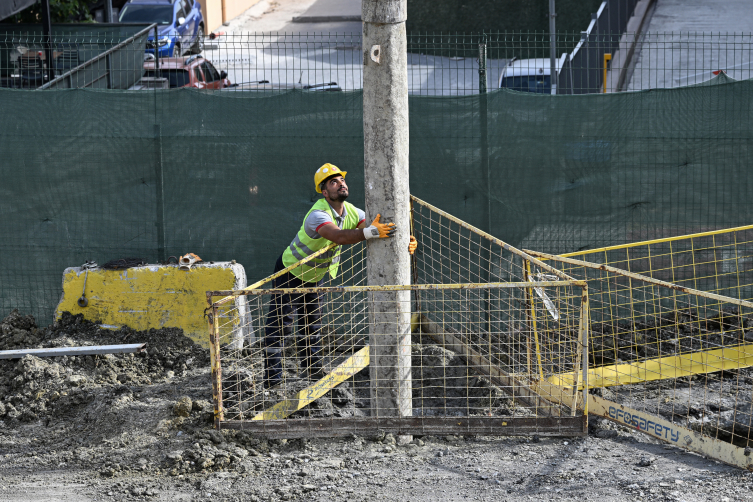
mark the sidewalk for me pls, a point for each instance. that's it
(331, 11)
(299, 16)
(686, 41)
(707, 16)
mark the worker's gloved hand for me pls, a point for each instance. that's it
(412, 245)
(379, 230)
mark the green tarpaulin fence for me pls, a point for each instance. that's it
(108, 174)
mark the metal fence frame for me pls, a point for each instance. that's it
(528, 387)
(685, 363)
(97, 73)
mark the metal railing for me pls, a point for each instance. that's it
(438, 64)
(108, 70)
(89, 55)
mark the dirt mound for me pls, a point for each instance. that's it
(33, 388)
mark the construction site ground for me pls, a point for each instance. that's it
(139, 427)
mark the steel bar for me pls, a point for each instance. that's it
(493, 239)
(644, 278)
(214, 350)
(657, 241)
(159, 176)
(410, 287)
(500, 426)
(553, 77)
(73, 351)
(229, 295)
(47, 35)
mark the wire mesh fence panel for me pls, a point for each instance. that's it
(677, 360)
(451, 251)
(718, 262)
(315, 378)
(603, 58)
(481, 348)
(667, 60)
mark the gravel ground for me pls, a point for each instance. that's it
(137, 427)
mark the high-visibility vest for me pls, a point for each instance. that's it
(303, 246)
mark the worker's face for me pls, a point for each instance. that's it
(335, 189)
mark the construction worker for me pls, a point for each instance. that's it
(330, 220)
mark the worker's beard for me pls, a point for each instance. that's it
(339, 197)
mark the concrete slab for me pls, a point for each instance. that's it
(686, 41)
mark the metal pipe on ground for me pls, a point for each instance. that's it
(74, 351)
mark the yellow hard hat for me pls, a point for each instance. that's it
(324, 172)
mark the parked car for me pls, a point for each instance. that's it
(529, 75)
(193, 71)
(180, 25)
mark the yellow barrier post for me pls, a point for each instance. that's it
(607, 58)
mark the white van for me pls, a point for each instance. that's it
(529, 75)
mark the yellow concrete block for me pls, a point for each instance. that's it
(154, 296)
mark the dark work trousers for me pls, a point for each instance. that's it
(307, 309)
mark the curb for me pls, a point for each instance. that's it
(326, 19)
(622, 59)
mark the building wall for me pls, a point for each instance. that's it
(217, 12)
(212, 11)
(234, 8)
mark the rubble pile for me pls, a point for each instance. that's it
(33, 388)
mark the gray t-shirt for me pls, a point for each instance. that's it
(317, 218)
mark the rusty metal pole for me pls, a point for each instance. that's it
(385, 130)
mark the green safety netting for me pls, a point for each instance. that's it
(109, 174)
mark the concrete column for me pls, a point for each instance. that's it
(385, 130)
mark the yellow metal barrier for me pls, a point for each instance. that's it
(675, 358)
(491, 324)
(719, 261)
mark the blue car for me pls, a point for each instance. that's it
(180, 24)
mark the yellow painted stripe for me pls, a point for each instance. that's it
(695, 363)
(303, 398)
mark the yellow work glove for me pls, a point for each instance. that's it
(412, 245)
(379, 230)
